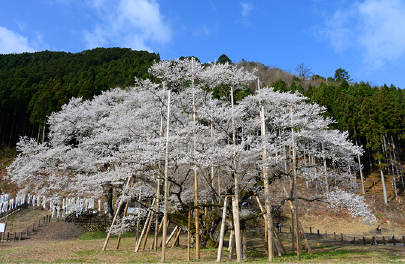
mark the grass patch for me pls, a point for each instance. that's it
(103, 235)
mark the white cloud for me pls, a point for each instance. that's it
(376, 27)
(213, 6)
(206, 30)
(246, 8)
(11, 42)
(130, 23)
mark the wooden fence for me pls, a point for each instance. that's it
(30, 230)
(357, 238)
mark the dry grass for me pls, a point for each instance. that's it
(87, 249)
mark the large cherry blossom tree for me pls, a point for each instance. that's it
(216, 145)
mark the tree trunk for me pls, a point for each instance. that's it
(236, 195)
(361, 171)
(392, 166)
(221, 234)
(394, 145)
(12, 128)
(295, 188)
(108, 193)
(382, 180)
(166, 184)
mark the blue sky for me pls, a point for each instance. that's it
(365, 37)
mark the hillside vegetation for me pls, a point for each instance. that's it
(33, 85)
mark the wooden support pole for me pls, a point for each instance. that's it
(221, 234)
(188, 235)
(294, 163)
(301, 230)
(147, 231)
(166, 183)
(279, 241)
(236, 226)
(244, 246)
(276, 246)
(115, 217)
(138, 244)
(177, 238)
(138, 223)
(231, 244)
(171, 235)
(167, 227)
(266, 237)
(122, 224)
(155, 240)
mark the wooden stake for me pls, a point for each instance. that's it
(279, 241)
(171, 235)
(176, 239)
(235, 202)
(244, 246)
(155, 242)
(274, 232)
(138, 244)
(268, 219)
(125, 214)
(139, 216)
(166, 187)
(115, 217)
(276, 245)
(147, 231)
(197, 233)
(299, 224)
(237, 236)
(188, 235)
(231, 243)
(221, 234)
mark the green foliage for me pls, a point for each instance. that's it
(223, 59)
(342, 74)
(11, 222)
(33, 85)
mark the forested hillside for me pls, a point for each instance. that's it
(33, 85)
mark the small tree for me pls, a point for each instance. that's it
(303, 70)
(341, 74)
